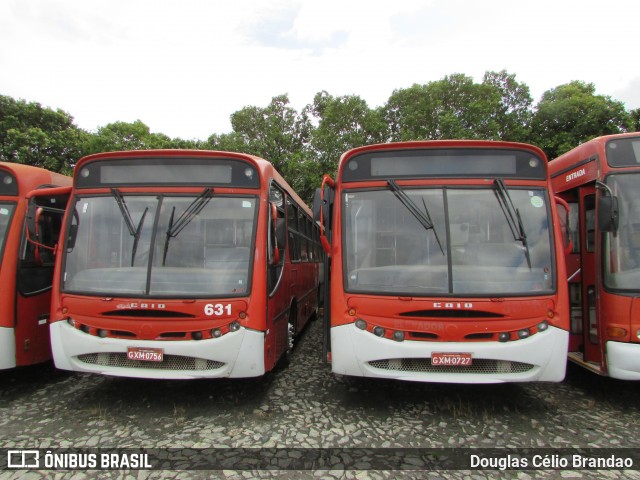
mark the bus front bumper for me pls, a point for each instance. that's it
(623, 360)
(541, 357)
(237, 355)
(7, 348)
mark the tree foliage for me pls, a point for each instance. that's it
(571, 114)
(304, 144)
(34, 135)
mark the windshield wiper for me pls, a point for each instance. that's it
(128, 220)
(174, 229)
(512, 214)
(423, 217)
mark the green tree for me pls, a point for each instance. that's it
(343, 123)
(132, 136)
(635, 120)
(512, 115)
(454, 107)
(277, 133)
(571, 114)
(38, 136)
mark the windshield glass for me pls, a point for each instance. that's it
(187, 246)
(622, 248)
(388, 250)
(6, 211)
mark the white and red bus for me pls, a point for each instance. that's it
(445, 264)
(26, 271)
(600, 179)
(182, 264)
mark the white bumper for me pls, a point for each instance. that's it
(546, 352)
(623, 360)
(236, 354)
(7, 348)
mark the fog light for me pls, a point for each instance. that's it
(398, 336)
(361, 324)
(196, 335)
(378, 331)
(542, 326)
(234, 326)
(102, 333)
(504, 337)
(216, 333)
(524, 333)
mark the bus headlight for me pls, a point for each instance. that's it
(378, 331)
(504, 337)
(398, 336)
(361, 324)
(234, 326)
(542, 326)
(216, 333)
(524, 333)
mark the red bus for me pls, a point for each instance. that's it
(26, 272)
(444, 264)
(600, 179)
(182, 264)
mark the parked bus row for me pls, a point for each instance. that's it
(436, 261)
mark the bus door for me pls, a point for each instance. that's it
(278, 315)
(591, 350)
(40, 238)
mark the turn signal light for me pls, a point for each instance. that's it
(616, 332)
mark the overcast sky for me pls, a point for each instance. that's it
(184, 66)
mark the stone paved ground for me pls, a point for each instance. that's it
(306, 406)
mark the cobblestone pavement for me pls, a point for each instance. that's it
(306, 406)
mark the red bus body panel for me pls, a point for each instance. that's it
(25, 315)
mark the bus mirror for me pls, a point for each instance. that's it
(33, 216)
(608, 213)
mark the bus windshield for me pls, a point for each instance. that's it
(6, 210)
(622, 248)
(160, 245)
(488, 247)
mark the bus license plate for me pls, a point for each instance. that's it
(451, 359)
(145, 354)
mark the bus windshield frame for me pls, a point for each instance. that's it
(470, 247)
(621, 249)
(160, 245)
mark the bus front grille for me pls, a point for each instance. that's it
(423, 365)
(169, 362)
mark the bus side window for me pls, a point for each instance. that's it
(574, 226)
(590, 222)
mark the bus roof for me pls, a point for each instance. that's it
(581, 164)
(30, 178)
(266, 168)
(539, 172)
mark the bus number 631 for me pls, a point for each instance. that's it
(217, 310)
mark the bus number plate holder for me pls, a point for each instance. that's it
(451, 359)
(145, 354)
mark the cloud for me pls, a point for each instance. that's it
(629, 94)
